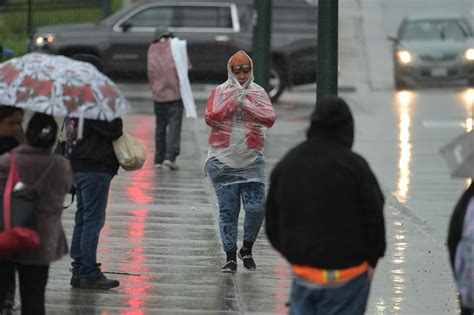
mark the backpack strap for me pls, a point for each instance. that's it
(12, 179)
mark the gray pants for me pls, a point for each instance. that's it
(169, 118)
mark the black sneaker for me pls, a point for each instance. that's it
(248, 261)
(74, 280)
(100, 284)
(230, 266)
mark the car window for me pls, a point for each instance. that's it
(433, 30)
(151, 17)
(203, 16)
(286, 19)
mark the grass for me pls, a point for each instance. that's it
(13, 25)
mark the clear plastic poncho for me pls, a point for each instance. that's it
(238, 115)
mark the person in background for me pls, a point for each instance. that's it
(52, 176)
(237, 113)
(324, 214)
(94, 165)
(11, 129)
(168, 103)
(11, 134)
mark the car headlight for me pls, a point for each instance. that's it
(404, 56)
(469, 55)
(44, 39)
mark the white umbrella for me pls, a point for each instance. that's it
(60, 86)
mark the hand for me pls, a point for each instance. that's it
(370, 273)
(240, 95)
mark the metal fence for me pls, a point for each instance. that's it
(40, 12)
(15, 5)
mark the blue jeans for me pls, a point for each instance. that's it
(229, 195)
(92, 192)
(348, 299)
(169, 118)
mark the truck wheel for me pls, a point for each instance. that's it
(277, 84)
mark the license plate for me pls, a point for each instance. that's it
(439, 72)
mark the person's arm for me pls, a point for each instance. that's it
(216, 114)
(152, 65)
(260, 109)
(109, 130)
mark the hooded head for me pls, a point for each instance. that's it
(92, 59)
(41, 131)
(162, 32)
(332, 119)
(240, 68)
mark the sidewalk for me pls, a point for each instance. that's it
(161, 241)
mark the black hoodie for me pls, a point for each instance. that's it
(324, 207)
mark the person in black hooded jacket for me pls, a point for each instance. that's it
(94, 165)
(324, 214)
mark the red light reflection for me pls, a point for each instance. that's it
(136, 285)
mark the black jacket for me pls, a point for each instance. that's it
(457, 222)
(94, 152)
(8, 143)
(324, 207)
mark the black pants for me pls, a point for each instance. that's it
(32, 286)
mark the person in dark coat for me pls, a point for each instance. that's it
(94, 165)
(11, 134)
(52, 178)
(455, 232)
(324, 214)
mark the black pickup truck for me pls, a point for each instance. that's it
(213, 29)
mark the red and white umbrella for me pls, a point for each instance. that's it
(60, 86)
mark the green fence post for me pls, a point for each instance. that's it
(262, 21)
(29, 18)
(327, 48)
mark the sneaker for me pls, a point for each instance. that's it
(248, 261)
(100, 284)
(170, 166)
(230, 266)
(157, 165)
(74, 279)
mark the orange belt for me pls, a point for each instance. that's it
(325, 276)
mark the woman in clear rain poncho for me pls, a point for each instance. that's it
(237, 113)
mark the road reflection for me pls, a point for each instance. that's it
(404, 101)
(136, 285)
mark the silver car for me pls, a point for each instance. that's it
(433, 50)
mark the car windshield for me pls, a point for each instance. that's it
(433, 30)
(114, 17)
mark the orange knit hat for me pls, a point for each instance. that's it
(240, 58)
